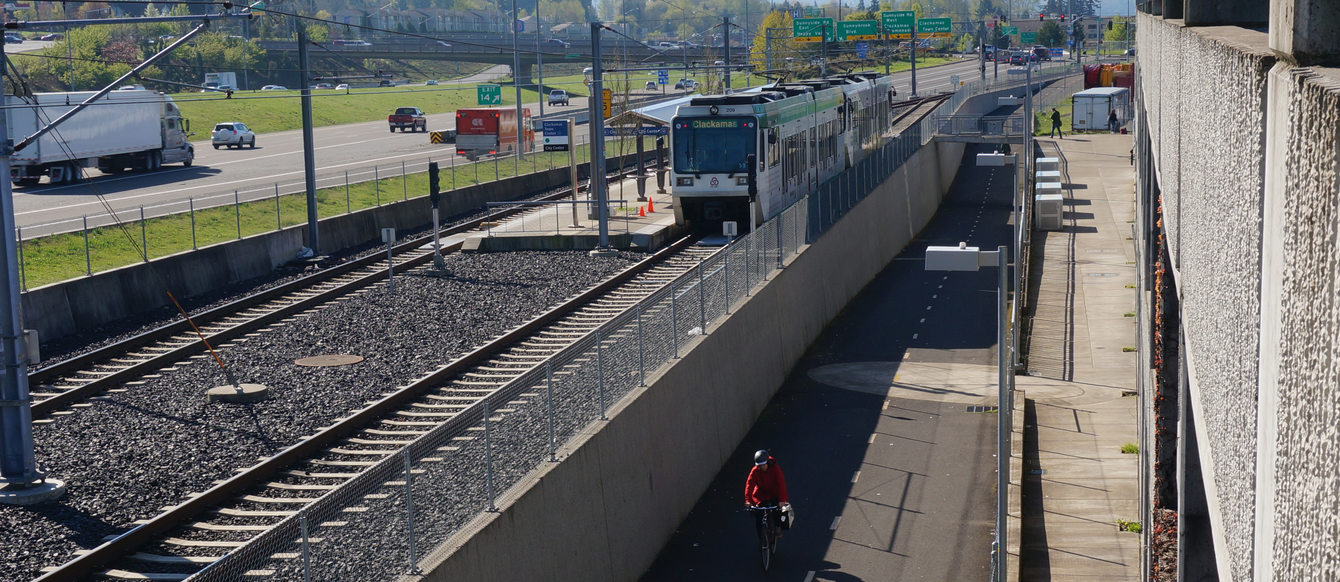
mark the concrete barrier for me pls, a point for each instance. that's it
(63, 309)
(625, 484)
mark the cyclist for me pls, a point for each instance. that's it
(766, 485)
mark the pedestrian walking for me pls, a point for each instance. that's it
(1112, 124)
(1056, 124)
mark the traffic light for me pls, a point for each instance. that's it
(1109, 25)
(1042, 16)
(434, 185)
(1062, 18)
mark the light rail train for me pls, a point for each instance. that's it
(801, 132)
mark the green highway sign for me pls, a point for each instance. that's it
(897, 23)
(1028, 37)
(934, 28)
(857, 30)
(810, 30)
(1009, 30)
(489, 94)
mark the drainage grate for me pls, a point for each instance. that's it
(982, 409)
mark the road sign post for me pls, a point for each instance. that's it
(488, 94)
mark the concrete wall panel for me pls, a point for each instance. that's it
(666, 442)
(1307, 482)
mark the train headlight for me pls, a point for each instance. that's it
(742, 180)
(683, 181)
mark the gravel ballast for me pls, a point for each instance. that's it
(131, 453)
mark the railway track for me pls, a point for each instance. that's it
(199, 531)
(58, 387)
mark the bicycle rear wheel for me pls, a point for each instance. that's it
(767, 544)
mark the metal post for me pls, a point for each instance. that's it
(348, 204)
(725, 273)
(539, 64)
(823, 63)
(496, 175)
(390, 266)
(598, 140)
(725, 29)
(1002, 424)
(191, 202)
(306, 553)
(308, 143)
(237, 213)
(702, 299)
(23, 269)
(404, 182)
(488, 457)
(748, 250)
(377, 184)
(88, 258)
(144, 235)
(409, 512)
(912, 49)
(780, 220)
(549, 403)
(641, 342)
(516, 79)
(674, 319)
(572, 169)
(600, 370)
(279, 220)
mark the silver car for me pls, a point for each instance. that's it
(233, 134)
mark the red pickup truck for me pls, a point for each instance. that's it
(407, 119)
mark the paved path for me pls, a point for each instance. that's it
(1080, 406)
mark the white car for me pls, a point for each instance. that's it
(274, 88)
(233, 134)
(342, 87)
(430, 82)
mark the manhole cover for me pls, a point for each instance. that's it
(328, 360)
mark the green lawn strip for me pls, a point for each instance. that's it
(1042, 119)
(61, 257)
(272, 111)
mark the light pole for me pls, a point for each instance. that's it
(966, 258)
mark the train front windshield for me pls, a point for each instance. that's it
(713, 145)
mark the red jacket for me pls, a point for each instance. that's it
(765, 486)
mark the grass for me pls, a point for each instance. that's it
(1128, 314)
(1130, 526)
(1128, 348)
(61, 257)
(1130, 449)
(1042, 120)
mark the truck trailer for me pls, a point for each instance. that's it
(131, 129)
(221, 81)
(492, 131)
(1091, 106)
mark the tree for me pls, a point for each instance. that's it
(1051, 34)
(781, 47)
(1118, 30)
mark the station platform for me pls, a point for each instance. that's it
(635, 222)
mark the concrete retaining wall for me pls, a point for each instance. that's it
(588, 518)
(64, 309)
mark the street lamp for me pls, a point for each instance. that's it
(966, 258)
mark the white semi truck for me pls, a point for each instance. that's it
(128, 129)
(221, 81)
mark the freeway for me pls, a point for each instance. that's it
(276, 163)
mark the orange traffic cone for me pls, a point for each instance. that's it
(642, 211)
(651, 204)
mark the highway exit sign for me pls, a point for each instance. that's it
(897, 23)
(934, 28)
(858, 30)
(813, 30)
(489, 94)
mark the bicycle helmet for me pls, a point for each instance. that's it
(761, 457)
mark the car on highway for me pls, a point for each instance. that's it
(430, 82)
(1018, 59)
(557, 42)
(233, 134)
(13, 39)
(1042, 53)
(558, 97)
(52, 36)
(651, 86)
(407, 119)
(323, 86)
(274, 88)
(342, 87)
(686, 84)
(444, 43)
(385, 83)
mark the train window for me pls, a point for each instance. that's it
(774, 148)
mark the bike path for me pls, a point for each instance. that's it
(891, 476)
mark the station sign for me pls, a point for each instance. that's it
(897, 23)
(813, 30)
(862, 50)
(662, 77)
(848, 30)
(555, 135)
(934, 28)
(489, 94)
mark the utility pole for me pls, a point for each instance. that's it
(913, 49)
(823, 66)
(516, 82)
(308, 144)
(767, 49)
(539, 63)
(725, 25)
(595, 107)
(18, 465)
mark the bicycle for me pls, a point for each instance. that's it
(766, 526)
